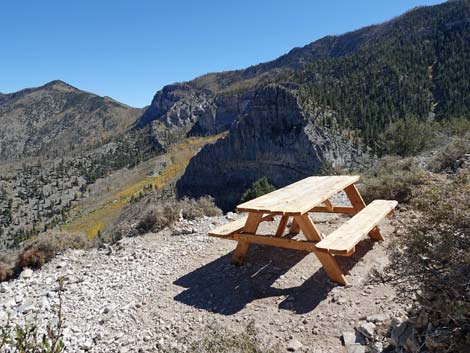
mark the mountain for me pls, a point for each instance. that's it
(348, 89)
(57, 118)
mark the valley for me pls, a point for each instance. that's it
(105, 208)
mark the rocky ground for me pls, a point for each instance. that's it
(162, 291)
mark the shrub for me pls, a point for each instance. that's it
(6, 271)
(166, 213)
(449, 155)
(392, 178)
(456, 127)
(37, 251)
(406, 137)
(257, 189)
(435, 256)
(203, 206)
(158, 217)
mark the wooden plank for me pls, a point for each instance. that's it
(300, 197)
(233, 227)
(328, 205)
(328, 262)
(282, 226)
(358, 204)
(252, 222)
(343, 240)
(336, 209)
(276, 241)
(308, 228)
(294, 227)
(356, 199)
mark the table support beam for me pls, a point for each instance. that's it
(251, 225)
(276, 241)
(328, 261)
(282, 226)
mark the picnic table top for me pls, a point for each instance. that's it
(300, 197)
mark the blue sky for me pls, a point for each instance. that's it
(130, 49)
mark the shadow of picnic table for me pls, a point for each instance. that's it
(223, 288)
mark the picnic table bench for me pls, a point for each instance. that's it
(296, 201)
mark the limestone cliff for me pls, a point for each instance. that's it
(274, 137)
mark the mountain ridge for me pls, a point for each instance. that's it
(57, 117)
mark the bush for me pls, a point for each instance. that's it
(435, 256)
(392, 178)
(406, 137)
(166, 213)
(204, 206)
(257, 189)
(6, 271)
(446, 158)
(456, 127)
(37, 251)
(158, 217)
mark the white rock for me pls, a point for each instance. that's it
(26, 273)
(356, 348)
(367, 329)
(293, 345)
(377, 318)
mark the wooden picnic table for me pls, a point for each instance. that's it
(295, 201)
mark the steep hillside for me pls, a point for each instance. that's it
(57, 118)
(416, 63)
(274, 138)
(351, 88)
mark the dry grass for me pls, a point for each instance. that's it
(166, 213)
(447, 158)
(37, 251)
(221, 340)
(434, 254)
(392, 178)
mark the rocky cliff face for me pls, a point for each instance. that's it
(274, 137)
(181, 110)
(56, 118)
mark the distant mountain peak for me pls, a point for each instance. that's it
(58, 84)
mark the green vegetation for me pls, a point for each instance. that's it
(434, 255)
(406, 137)
(419, 65)
(257, 189)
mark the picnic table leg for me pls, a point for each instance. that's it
(328, 261)
(294, 228)
(282, 226)
(251, 226)
(358, 204)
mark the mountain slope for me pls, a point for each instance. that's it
(57, 118)
(416, 63)
(349, 90)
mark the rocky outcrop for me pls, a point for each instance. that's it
(56, 118)
(274, 137)
(180, 110)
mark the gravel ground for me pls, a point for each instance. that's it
(161, 291)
